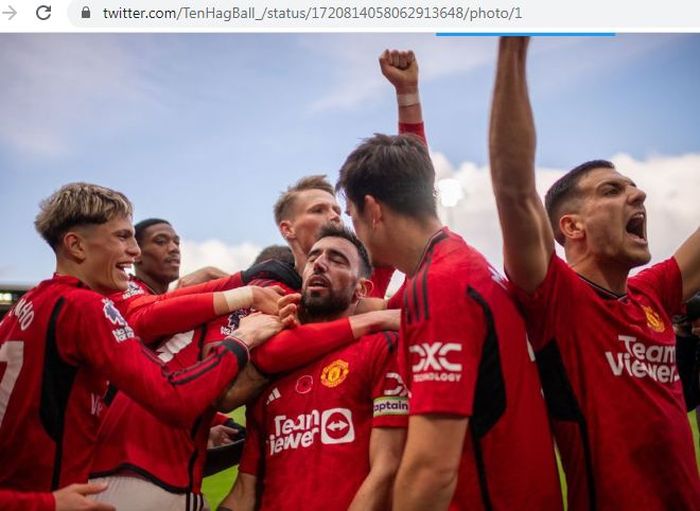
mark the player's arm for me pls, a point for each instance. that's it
(401, 70)
(200, 276)
(242, 495)
(152, 317)
(385, 448)
(428, 473)
(688, 258)
(299, 346)
(107, 345)
(69, 498)
(527, 235)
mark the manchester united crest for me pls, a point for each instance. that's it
(654, 321)
(335, 373)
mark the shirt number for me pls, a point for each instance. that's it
(11, 353)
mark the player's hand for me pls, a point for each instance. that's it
(401, 69)
(74, 498)
(265, 299)
(257, 328)
(200, 276)
(695, 327)
(289, 310)
(221, 435)
(389, 319)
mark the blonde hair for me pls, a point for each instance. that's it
(77, 204)
(285, 202)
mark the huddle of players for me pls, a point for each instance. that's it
(478, 435)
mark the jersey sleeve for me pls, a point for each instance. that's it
(154, 316)
(95, 333)
(11, 500)
(297, 347)
(444, 348)
(254, 440)
(389, 393)
(414, 128)
(664, 281)
(557, 292)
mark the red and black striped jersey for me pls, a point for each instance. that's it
(609, 373)
(464, 352)
(58, 348)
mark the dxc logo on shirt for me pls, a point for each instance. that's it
(433, 363)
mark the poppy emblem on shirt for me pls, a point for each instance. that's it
(304, 384)
(335, 373)
(654, 321)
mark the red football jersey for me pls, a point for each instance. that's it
(609, 373)
(58, 346)
(464, 352)
(132, 439)
(318, 419)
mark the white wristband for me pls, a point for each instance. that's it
(239, 298)
(408, 99)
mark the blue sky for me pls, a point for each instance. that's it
(206, 130)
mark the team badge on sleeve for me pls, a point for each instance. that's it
(335, 373)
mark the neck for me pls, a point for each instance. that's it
(299, 258)
(157, 287)
(408, 240)
(306, 317)
(607, 274)
(74, 269)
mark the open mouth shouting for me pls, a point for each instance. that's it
(636, 227)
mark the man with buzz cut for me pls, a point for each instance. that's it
(478, 436)
(65, 339)
(604, 341)
(339, 420)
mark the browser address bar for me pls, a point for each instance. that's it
(466, 17)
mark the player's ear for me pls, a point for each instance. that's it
(373, 210)
(287, 230)
(363, 288)
(73, 244)
(572, 226)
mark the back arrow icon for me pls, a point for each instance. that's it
(11, 13)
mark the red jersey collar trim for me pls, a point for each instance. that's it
(601, 291)
(142, 283)
(68, 279)
(436, 238)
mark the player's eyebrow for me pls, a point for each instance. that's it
(338, 253)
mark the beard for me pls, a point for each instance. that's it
(316, 307)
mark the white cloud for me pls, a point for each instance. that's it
(229, 258)
(671, 184)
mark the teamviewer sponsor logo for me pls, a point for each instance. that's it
(431, 362)
(639, 360)
(333, 426)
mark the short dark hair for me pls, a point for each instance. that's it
(331, 230)
(278, 252)
(140, 227)
(565, 190)
(394, 169)
(285, 202)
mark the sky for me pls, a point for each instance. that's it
(206, 130)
